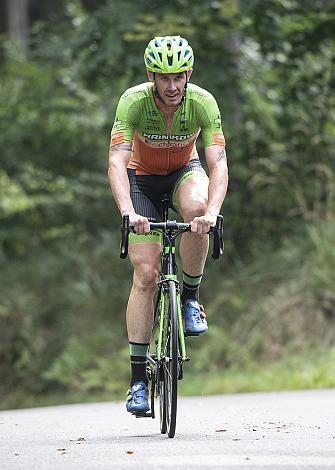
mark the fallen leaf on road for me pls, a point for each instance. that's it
(81, 439)
(130, 452)
(60, 450)
(221, 430)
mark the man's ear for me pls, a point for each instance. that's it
(150, 76)
(189, 73)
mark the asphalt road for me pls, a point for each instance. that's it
(289, 430)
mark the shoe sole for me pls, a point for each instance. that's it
(139, 413)
(195, 334)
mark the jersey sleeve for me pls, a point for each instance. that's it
(126, 118)
(210, 122)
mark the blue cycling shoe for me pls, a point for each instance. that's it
(194, 323)
(137, 398)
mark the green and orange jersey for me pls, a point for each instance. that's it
(155, 151)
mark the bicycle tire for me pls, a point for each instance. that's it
(152, 376)
(160, 376)
(170, 365)
(162, 407)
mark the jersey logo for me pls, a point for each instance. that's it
(218, 139)
(153, 113)
(167, 137)
(117, 138)
(152, 127)
(217, 122)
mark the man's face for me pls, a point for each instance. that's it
(170, 86)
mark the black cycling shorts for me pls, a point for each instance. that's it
(146, 192)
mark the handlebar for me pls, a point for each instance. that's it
(173, 226)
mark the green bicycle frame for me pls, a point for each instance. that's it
(169, 275)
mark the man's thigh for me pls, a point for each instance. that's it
(191, 191)
(145, 257)
(145, 202)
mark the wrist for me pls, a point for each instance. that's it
(127, 212)
(212, 213)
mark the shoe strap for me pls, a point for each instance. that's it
(142, 393)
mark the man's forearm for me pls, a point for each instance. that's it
(119, 182)
(217, 190)
(218, 183)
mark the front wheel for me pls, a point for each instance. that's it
(162, 406)
(168, 392)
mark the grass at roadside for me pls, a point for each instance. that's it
(315, 369)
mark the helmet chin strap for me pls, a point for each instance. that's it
(156, 90)
(185, 89)
(157, 94)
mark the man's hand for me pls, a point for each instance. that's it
(201, 225)
(140, 223)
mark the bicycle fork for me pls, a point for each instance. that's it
(163, 318)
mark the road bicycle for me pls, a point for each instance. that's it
(165, 363)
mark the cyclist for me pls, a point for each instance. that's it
(152, 153)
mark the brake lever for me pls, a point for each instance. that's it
(217, 231)
(125, 230)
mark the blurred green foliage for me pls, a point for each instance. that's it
(63, 289)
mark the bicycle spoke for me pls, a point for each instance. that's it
(166, 369)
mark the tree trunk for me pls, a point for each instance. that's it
(18, 20)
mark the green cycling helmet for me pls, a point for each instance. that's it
(168, 54)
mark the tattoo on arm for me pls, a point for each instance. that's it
(125, 146)
(222, 155)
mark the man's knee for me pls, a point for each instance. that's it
(194, 208)
(146, 277)
(145, 259)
